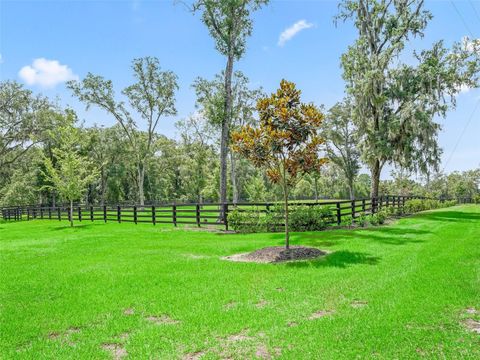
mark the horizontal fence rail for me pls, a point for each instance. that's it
(198, 214)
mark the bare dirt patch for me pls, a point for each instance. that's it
(230, 305)
(194, 356)
(116, 350)
(162, 320)
(241, 336)
(277, 254)
(321, 313)
(473, 325)
(262, 352)
(471, 311)
(261, 304)
(128, 312)
(358, 303)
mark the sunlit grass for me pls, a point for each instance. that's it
(400, 291)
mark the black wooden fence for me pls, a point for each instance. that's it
(194, 214)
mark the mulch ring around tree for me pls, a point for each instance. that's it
(276, 254)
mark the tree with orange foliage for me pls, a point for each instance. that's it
(286, 142)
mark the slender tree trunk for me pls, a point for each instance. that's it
(375, 174)
(103, 185)
(233, 177)
(351, 189)
(225, 129)
(71, 213)
(285, 194)
(141, 177)
(315, 184)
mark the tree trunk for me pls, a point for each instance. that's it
(375, 173)
(350, 189)
(315, 182)
(233, 177)
(103, 185)
(71, 213)
(225, 129)
(285, 193)
(141, 177)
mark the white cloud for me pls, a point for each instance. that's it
(293, 30)
(46, 73)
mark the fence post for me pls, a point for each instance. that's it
(339, 214)
(41, 212)
(80, 213)
(174, 214)
(197, 213)
(119, 214)
(154, 218)
(225, 215)
(353, 209)
(91, 213)
(59, 215)
(104, 213)
(28, 214)
(49, 213)
(135, 214)
(363, 206)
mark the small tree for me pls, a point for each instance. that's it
(73, 172)
(286, 142)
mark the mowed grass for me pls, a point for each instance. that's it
(112, 290)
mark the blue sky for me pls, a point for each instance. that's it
(104, 36)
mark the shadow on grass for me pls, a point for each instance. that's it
(385, 235)
(339, 259)
(455, 216)
(74, 227)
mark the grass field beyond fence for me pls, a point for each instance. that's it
(408, 290)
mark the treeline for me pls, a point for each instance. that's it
(388, 117)
(185, 169)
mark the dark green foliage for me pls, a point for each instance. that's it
(302, 218)
(374, 220)
(416, 205)
(362, 220)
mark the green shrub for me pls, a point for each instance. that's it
(361, 220)
(347, 221)
(382, 216)
(374, 220)
(476, 199)
(309, 218)
(246, 221)
(301, 218)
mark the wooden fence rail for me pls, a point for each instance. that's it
(214, 214)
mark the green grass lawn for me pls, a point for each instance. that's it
(99, 290)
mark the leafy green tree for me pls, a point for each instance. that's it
(229, 23)
(255, 189)
(394, 103)
(152, 96)
(341, 144)
(22, 121)
(74, 172)
(211, 100)
(286, 142)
